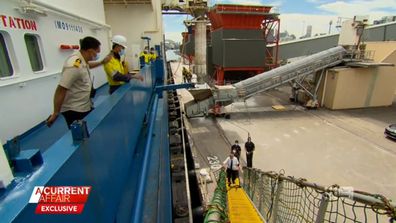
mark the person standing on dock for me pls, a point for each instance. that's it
(187, 76)
(231, 164)
(249, 147)
(73, 95)
(236, 149)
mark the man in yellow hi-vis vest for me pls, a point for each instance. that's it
(116, 70)
(153, 54)
(144, 56)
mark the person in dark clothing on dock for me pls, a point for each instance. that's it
(236, 149)
(249, 147)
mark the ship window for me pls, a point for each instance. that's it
(34, 52)
(5, 62)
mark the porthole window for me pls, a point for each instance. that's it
(33, 49)
(5, 62)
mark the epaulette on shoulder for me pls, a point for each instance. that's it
(73, 61)
(77, 63)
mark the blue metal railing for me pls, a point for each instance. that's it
(137, 213)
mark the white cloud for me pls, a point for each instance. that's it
(359, 7)
(297, 23)
(175, 36)
(274, 3)
(173, 26)
(316, 1)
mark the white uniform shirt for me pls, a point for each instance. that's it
(76, 79)
(234, 164)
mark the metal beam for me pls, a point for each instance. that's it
(127, 2)
(175, 13)
(158, 89)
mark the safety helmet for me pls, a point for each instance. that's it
(120, 40)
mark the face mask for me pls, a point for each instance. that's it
(122, 52)
(97, 57)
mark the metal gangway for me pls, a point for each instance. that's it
(264, 81)
(277, 198)
(230, 203)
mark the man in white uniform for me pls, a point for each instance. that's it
(73, 95)
(232, 166)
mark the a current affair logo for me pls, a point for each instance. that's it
(60, 200)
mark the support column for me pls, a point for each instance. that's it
(200, 51)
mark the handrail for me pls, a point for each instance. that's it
(137, 213)
(190, 213)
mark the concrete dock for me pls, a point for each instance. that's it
(347, 148)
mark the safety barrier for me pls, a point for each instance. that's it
(282, 198)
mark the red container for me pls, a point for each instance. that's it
(238, 16)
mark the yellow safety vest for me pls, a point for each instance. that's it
(146, 57)
(112, 66)
(152, 56)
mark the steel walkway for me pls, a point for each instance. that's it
(240, 207)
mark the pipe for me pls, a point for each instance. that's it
(190, 215)
(137, 213)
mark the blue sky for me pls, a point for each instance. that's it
(297, 14)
